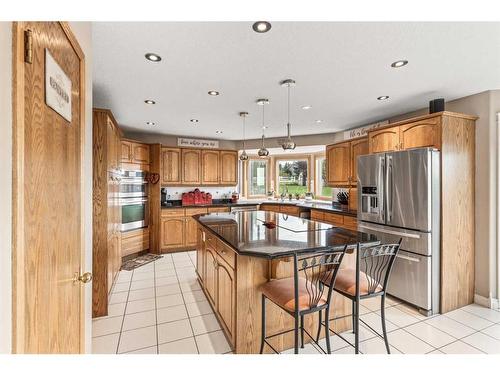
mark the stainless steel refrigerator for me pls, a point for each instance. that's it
(398, 197)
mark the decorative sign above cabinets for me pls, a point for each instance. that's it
(363, 130)
(57, 87)
(199, 143)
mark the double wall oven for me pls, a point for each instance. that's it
(133, 197)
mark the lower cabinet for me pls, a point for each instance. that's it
(172, 232)
(338, 220)
(210, 280)
(226, 295)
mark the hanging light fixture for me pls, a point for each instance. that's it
(263, 151)
(288, 144)
(244, 155)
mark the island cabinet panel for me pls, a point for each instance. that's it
(210, 167)
(358, 147)
(191, 166)
(383, 140)
(200, 254)
(425, 133)
(211, 271)
(172, 232)
(191, 229)
(226, 300)
(338, 164)
(170, 165)
(228, 168)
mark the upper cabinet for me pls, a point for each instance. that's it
(228, 168)
(382, 140)
(134, 153)
(341, 161)
(170, 166)
(358, 147)
(191, 167)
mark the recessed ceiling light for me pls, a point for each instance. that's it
(213, 93)
(261, 27)
(306, 107)
(149, 101)
(218, 131)
(399, 63)
(150, 123)
(318, 121)
(265, 127)
(153, 57)
(383, 97)
(193, 120)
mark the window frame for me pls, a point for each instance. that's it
(292, 157)
(317, 177)
(248, 177)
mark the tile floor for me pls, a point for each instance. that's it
(160, 309)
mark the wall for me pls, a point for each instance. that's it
(171, 140)
(83, 33)
(219, 192)
(6, 187)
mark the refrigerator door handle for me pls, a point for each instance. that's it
(408, 258)
(389, 188)
(381, 195)
(388, 231)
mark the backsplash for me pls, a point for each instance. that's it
(219, 192)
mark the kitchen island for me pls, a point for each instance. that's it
(237, 254)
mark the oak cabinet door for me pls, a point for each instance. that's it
(338, 161)
(172, 232)
(170, 165)
(126, 151)
(210, 272)
(140, 153)
(290, 210)
(270, 207)
(358, 147)
(226, 295)
(228, 168)
(425, 133)
(210, 167)
(191, 163)
(383, 140)
(191, 232)
(200, 254)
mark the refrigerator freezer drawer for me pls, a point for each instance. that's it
(411, 279)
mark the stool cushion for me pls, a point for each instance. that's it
(346, 282)
(282, 293)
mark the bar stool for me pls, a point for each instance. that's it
(368, 280)
(303, 294)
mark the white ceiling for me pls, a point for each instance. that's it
(340, 69)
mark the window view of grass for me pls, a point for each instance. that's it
(292, 177)
(324, 191)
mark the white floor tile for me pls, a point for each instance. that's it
(105, 344)
(199, 308)
(121, 287)
(407, 343)
(483, 312)
(171, 314)
(143, 276)
(106, 326)
(375, 321)
(376, 346)
(308, 349)
(118, 297)
(142, 284)
(137, 339)
(190, 286)
(399, 317)
(436, 352)
(166, 290)
(165, 273)
(183, 263)
(336, 343)
(184, 346)
(212, 343)
(164, 267)
(364, 334)
(459, 347)
(372, 304)
(450, 326)
(138, 294)
(469, 319)
(116, 309)
(204, 324)
(168, 332)
(346, 350)
(124, 277)
(483, 342)
(194, 296)
(139, 320)
(140, 305)
(411, 311)
(493, 331)
(167, 301)
(430, 334)
(150, 350)
(166, 280)
(146, 268)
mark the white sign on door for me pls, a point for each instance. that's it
(57, 87)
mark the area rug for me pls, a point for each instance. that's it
(132, 264)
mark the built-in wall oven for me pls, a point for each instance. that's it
(133, 197)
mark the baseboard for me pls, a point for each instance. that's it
(489, 302)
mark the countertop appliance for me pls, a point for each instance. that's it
(133, 200)
(399, 198)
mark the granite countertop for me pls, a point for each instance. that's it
(246, 234)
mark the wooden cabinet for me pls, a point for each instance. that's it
(425, 133)
(191, 166)
(172, 232)
(170, 166)
(383, 140)
(338, 164)
(210, 167)
(190, 232)
(226, 300)
(200, 253)
(210, 270)
(179, 229)
(270, 207)
(126, 151)
(358, 147)
(134, 152)
(228, 168)
(336, 219)
(134, 241)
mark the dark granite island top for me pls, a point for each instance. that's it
(246, 234)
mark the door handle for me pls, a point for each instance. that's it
(408, 258)
(84, 278)
(388, 185)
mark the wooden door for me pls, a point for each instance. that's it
(358, 147)
(191, 163)
(48, 225)
(383, 140)
(191, 232)
(210, 167)
(210, 270)
(140, 153)
(126, 151)
(172, 232)
(200, 253)
(226, 295)
(170, 166)
(228, 168)
(338, 164)
(425, 133)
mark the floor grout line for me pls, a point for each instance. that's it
(156, 311)
(123, 318)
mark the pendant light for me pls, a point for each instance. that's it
(244, 156)
(263, 151)
(288, 144)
